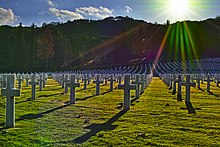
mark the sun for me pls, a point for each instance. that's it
(179, 8)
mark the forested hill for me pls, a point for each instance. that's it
(111, 41)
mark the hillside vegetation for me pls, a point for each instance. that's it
(111, 41)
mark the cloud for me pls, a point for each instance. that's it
(128, 9)
(6, 16)
(100, 12)
(65, 14)
(50, 3)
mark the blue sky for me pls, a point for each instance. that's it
(45, 11)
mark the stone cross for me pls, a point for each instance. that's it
(40, 80)
(72, 84)
(179, 93)
(85, 79)
(33, 84)
(188, 84)
(127, 87)
(106, 79)
(10, 92)
(77, 78)
(208, 83)
(174, 84)
(44, 79)
(20, 79)
(98, 82)
(65, 81)
(62, 81)
(3, 81)
(143, 86)
(111, 82)
(217, 80)
(198, 81)
(138, 83)
(26, 79)
(119, 79)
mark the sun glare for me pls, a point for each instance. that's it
(179, 8)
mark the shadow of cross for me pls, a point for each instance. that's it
(96, 128)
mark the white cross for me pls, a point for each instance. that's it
(188, 84)
(179, 93)
(10, 92)
(20, 79)
(111, 82)
(208, 83)
(98, 82)
(72, 84)
(40, 80)
(65, 81)
(127, 87)
(33, 84)
(138, 83)
(85, 79)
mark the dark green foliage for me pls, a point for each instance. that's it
(97, 43)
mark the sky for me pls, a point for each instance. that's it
(12, 12)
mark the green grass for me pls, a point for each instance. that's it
(50, 121)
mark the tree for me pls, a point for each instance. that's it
(45, 46)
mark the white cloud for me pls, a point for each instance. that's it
(6, 16)
(128, 9)
(65, 14)
(100, 12)
(50, 3)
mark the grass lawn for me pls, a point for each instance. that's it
(155, 119)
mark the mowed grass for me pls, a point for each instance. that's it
(155, 119)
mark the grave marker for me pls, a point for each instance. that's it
(127, 87)
(65, 81)
(111, 82)
(72, 84)
(10, 92)
(98, 82)
(188, 84)
(179, 93)
(208, 83)
(20, 80)
(138, 83)
(33, 84)
(40, 80)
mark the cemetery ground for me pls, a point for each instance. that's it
(155, 119)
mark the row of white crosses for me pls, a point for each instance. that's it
(8, 89)
(203, 66)
(171, 80)
(98, 79)
(67, 81)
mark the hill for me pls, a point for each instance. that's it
(107, 42)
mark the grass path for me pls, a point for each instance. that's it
(156, 119)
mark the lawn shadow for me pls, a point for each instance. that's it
(108, 91)
(96, 128)
(27, 100)
(190, 108)
(85, 98)
(120, 105)
(2, 105)
(211, 93)
(48, 95)
(85, 89)
(35, 116)
(134, 100)
(53, 89)
(201, 89)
